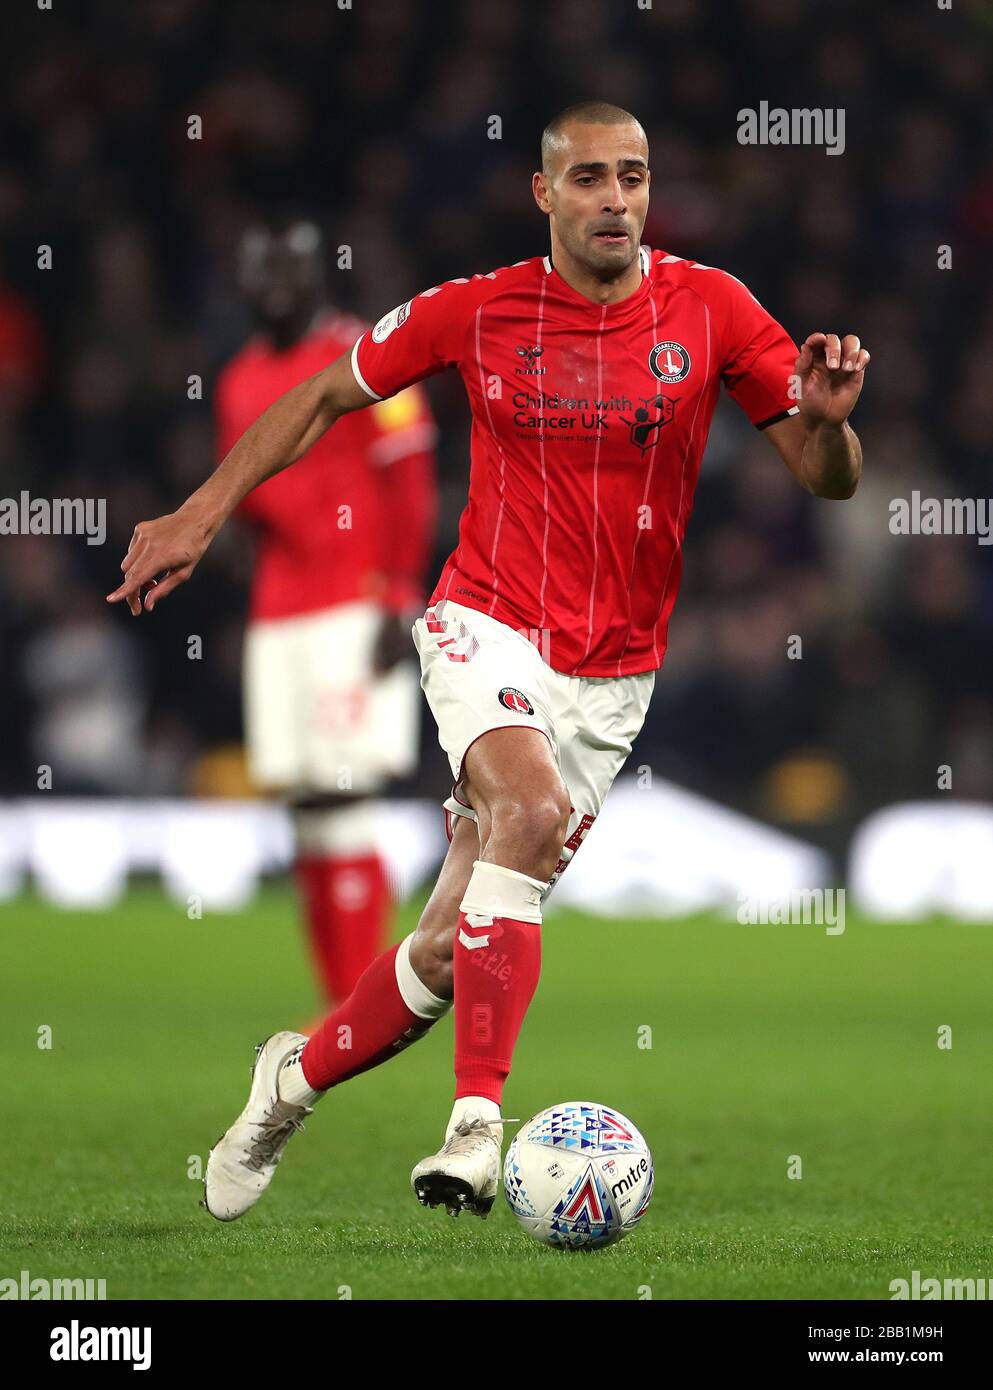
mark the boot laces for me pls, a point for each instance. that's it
(273, 1134)
(469, 1135)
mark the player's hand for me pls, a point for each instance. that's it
(393, 643)
(830, 371)
(162, 555)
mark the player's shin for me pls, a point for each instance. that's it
(344, 890)
(388, 1009)
(496, 961)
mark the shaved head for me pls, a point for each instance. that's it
(584, 113)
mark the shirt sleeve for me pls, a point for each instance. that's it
(414, 340)
(759, 358)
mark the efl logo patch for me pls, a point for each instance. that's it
(515, 700)
(670, 362)
(394, 319)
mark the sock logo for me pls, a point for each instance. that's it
(415, 1032)
(482, 1024)
(485, 925)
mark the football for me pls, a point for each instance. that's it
(578, 1176)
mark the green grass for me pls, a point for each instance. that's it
(767, 1042)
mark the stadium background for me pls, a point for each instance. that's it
(375, 119)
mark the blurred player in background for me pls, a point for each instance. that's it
(342, 543)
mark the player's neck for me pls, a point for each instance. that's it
(287, 332)
(579, 278)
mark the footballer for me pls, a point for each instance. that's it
(331, 706)
(592, 375)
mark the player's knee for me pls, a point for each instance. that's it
(551, 821)
(431, 955)
(534, 823)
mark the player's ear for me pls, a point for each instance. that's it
(539, 187)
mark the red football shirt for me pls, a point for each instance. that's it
(353, 519)
(588, 427)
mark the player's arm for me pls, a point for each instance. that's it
(164, 553)
(817, 444)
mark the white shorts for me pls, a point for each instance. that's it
(316, 718)
(479, 674)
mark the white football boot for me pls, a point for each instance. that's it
(464, 1173)
(243, 1160)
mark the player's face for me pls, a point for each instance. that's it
(280, 274)
(596, 195)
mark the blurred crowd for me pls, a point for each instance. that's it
(375, 118)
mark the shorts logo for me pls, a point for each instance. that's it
(458, 643)
(515, 700)
(670, 362)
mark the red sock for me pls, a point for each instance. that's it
(496, 968)
(347, 904)
(372, 1025)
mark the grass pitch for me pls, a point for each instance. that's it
(766, 1042)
